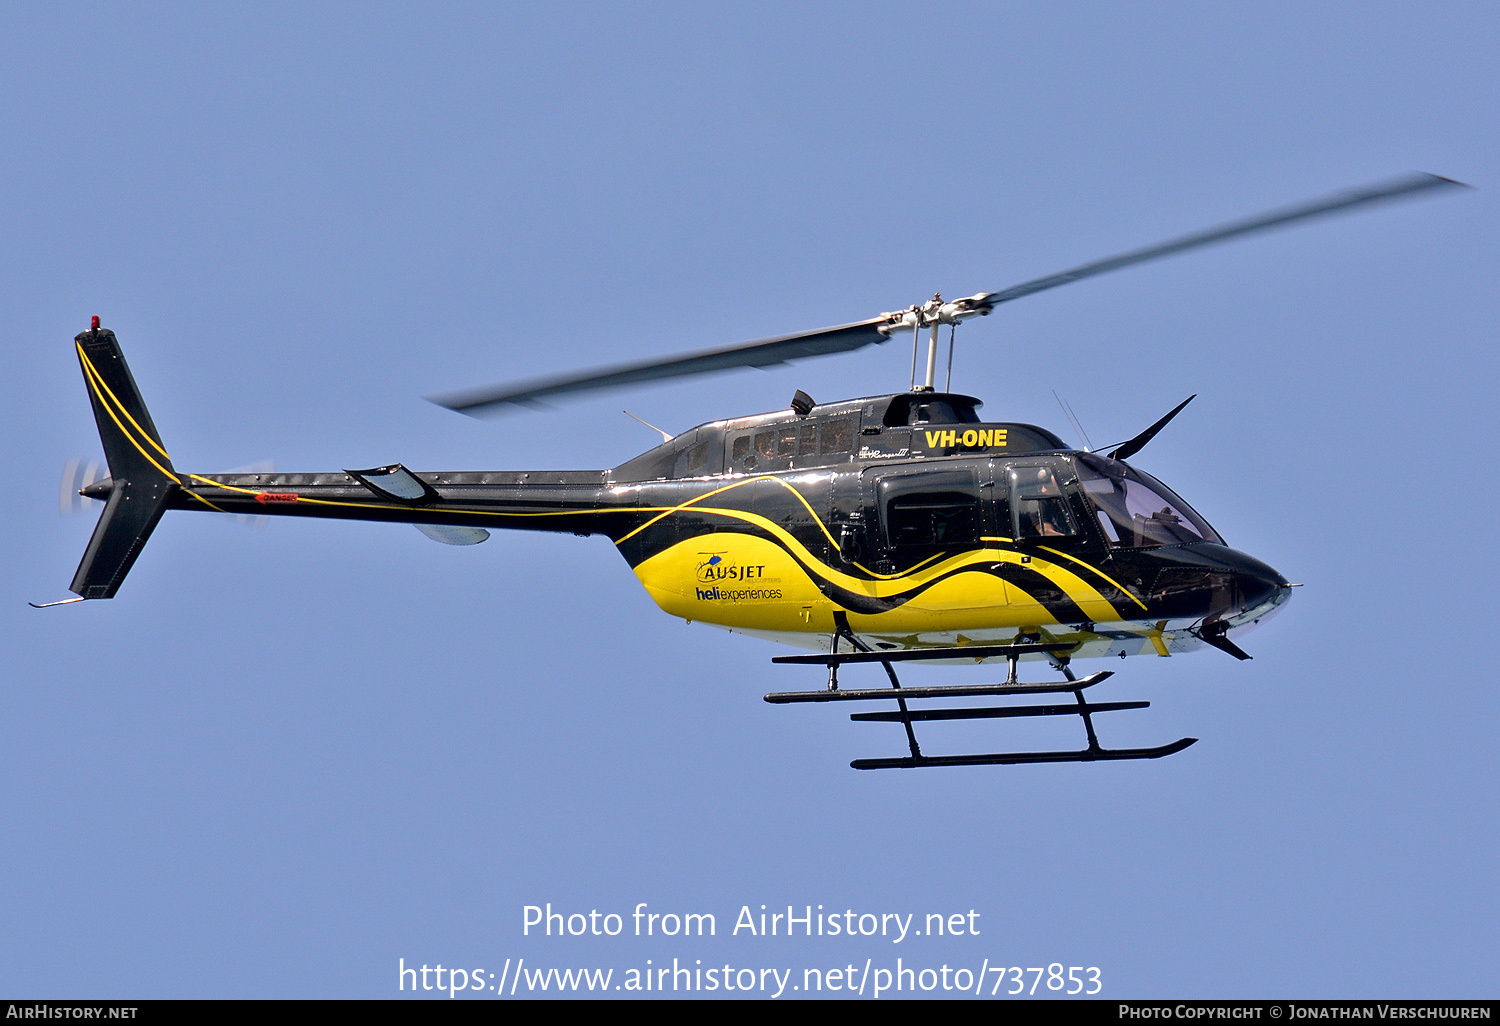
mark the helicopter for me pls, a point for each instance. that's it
(894, 528)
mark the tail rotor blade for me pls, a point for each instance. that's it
(76, 476)
(258, 467)
(68, 490)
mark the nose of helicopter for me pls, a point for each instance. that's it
(1260, 588)
(1261, 591)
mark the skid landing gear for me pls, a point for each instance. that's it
(862, 653)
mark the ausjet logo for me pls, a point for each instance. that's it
(716, 569)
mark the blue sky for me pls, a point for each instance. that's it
(284, 758)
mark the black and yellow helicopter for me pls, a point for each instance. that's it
(887, 529)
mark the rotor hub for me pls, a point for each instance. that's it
(935, 312)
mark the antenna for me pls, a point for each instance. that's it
(1079, 421)
(1073, 419)
(664, 436)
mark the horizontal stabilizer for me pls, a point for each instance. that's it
(450, 535)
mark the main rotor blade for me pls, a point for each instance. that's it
(765, 352)
(1397, 188)
(844, 338)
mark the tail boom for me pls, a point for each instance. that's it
(143, 484)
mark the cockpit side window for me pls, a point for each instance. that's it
(1038, 507)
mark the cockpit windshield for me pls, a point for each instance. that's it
(1136, 510)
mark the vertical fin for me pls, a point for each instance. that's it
(141, 475)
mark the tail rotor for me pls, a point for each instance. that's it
(78, 473)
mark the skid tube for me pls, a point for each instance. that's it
(1012, 686)
(1091, 754)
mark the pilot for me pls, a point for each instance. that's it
(1054, 519)
(1045, 518)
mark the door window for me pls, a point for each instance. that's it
(1039, 509)
(931, 510)
(933, 520)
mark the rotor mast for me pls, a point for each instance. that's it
(933, 314)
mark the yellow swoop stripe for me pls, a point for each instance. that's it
(201, 499)
(1083, 594)
(391, 506)
(1101, 573)
(90, 368)
(96, 384)
(800, 498)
